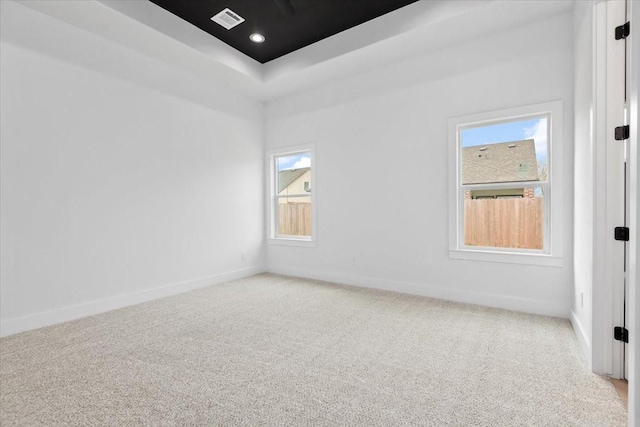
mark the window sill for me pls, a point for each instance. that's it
(506, 257)
(291, 241)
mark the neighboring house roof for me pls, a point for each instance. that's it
(503, 162)
(287, 176)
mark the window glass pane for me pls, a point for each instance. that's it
(294, 187)
(506, 152)
(504, 218)
(294, 216)
(294, 173)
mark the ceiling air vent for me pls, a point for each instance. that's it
(228, 19)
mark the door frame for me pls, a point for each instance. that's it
(599, 343)
(607, 354)
(633, 164)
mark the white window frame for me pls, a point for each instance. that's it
(272, 180)
(551, 254)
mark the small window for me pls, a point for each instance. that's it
(292, 210)
(504, 204)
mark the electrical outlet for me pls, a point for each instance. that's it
(243, 256)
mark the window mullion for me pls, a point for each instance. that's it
(503, 185)
(290, 196)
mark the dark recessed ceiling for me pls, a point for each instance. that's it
(288, 25)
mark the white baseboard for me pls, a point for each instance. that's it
(65, 314)
(440, 292)
(583, 338)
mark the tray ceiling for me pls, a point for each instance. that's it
(287, 25)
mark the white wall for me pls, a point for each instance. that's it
(584, 188)
(123, 179)
(381, 141)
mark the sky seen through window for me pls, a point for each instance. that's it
(534, 128)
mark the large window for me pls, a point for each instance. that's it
(506, 200)
(292, 195)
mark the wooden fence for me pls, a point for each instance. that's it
(294, 219)
(504, 222)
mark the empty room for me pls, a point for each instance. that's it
(319, 212)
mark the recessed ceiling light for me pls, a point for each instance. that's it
(257, 38)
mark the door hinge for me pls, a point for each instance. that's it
(622, 32)
(622, 132)
(621, 334)
(621, 233)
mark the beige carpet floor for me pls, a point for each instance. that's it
(277, 351)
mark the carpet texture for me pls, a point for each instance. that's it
(274, 350)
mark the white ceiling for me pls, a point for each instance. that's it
(418, 28)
